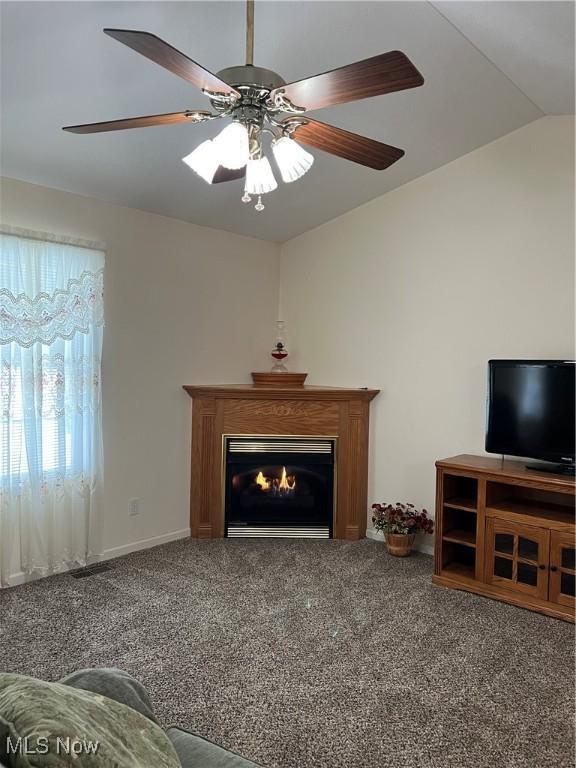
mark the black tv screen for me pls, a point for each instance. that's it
(531, 409)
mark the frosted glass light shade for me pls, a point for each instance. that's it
(259, 177)
(203, 160)
(232, 146)
(293, 161)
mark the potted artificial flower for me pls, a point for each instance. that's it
(400, 523)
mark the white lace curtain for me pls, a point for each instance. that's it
(51, 318)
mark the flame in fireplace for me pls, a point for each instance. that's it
(285, 483)
(285, 486)
(263, 482)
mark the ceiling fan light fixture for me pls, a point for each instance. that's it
(203, 160)
(232, 146)
(292, 160)
(254, 98)
(259, 177)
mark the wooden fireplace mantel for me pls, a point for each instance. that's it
(244, 409)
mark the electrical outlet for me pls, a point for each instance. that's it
(133, 507)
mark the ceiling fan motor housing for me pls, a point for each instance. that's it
(254, 85)
(247, 76)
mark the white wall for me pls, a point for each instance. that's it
(184, 305)
(411, 293)
(415, 291)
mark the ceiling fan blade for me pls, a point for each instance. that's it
(140, 122)
(226, 174)
(170, 58)
(392, 71)
(348, 145)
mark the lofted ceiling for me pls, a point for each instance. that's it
(490, 67)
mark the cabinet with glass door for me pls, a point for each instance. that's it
(506, 532)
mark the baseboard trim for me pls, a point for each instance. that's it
(16, 579)
(427, 549)
(135, 546)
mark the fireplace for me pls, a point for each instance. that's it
(286, 460)
(280, 487)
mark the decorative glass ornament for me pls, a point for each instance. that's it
(280, 353)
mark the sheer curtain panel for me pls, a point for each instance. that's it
(51, 320)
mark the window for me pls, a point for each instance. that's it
(51, 318)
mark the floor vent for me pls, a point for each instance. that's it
(284, 532)
(89, 570)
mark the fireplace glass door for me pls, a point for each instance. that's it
(279, 487)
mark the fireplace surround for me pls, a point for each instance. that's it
(319, 437)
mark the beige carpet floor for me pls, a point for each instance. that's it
(311, 654)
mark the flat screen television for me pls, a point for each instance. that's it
(531, 410)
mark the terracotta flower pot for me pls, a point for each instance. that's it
(399, 544)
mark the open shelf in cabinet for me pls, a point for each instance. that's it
(459, 570)
(461, 492)
(459, 525)
(459, 558)
(460, 503)
(460, 536)
(530, 505)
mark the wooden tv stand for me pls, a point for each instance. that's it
(506, 532)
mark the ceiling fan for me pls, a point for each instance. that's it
(256, 98)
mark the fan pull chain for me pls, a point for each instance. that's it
(247, 199)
